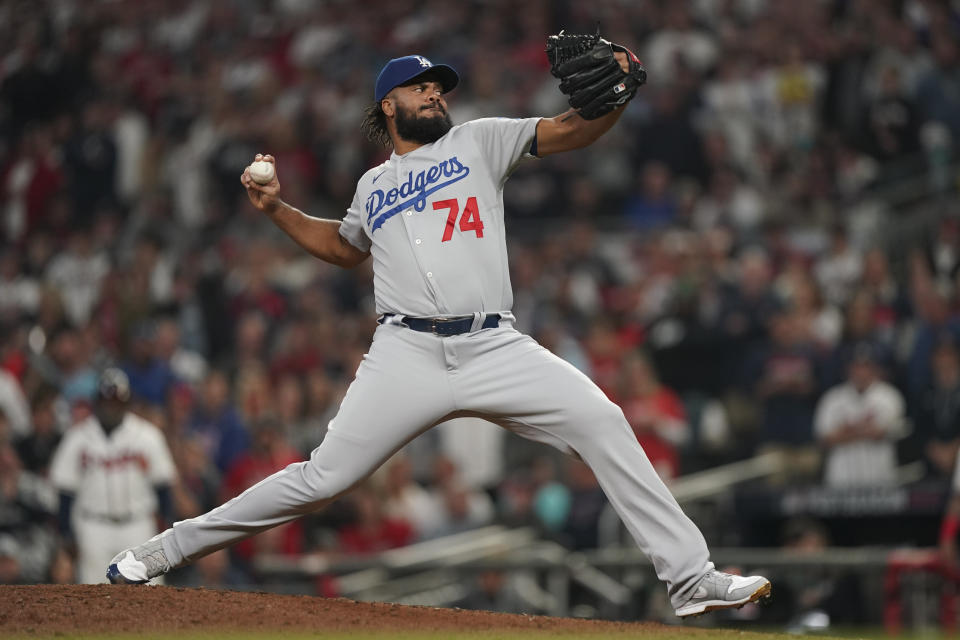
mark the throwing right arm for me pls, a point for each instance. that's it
(318, 236)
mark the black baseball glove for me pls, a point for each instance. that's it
(590, 74)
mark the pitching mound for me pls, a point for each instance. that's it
(50, 610)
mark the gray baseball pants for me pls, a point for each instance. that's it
(411, 381)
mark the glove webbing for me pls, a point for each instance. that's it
(567, 47)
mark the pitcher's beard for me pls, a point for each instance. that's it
(422, 129)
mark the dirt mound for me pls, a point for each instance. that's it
(53, 609)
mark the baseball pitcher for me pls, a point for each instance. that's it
(431, 217)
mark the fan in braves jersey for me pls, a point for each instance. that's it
(431, 217)
(113, 472)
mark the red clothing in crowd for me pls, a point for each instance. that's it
(29, 183)
(386, 534)
(249, 469)
(664, 408)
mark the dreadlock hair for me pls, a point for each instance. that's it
(374, 125)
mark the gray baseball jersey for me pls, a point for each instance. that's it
(433, 221)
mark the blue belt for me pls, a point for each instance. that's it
(444, 326)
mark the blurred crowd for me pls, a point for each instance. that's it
(723, 264)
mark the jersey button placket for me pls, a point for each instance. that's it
(411, 227)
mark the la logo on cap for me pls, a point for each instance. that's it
(401, 70)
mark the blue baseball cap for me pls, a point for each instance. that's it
(401, 70)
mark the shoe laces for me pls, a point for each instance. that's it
(153, 558)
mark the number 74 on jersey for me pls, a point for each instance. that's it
(469, 221)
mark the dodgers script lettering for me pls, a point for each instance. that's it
(414, 191)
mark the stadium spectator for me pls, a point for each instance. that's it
(679, 40)
(77, 274)
(937, 89)
(787, 381)
(36, 449)
(253, 395)
(728, 202)
(13, 405)
(151, 376)
(653, 206)
(937, 418)
(840, 269)
(820, 323)
(90, 163)
(185, 364)
(889, 305)
(19, 290)
(858, 423)
(320, 403)
(655, 413)
(405, 499)
(27, 506)
(892, 120)
(296, 353)
(269, 452)
(217, 423)
(933, 323)
(72, 372)
(942, 252)
(587, 502)
(30, 180)
(372, 530)
(551, 498)
(460, 507)
(745, 310)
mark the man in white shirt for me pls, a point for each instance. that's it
(858, 423)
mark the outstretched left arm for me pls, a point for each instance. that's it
(569, 131)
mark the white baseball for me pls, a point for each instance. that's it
(261, 171)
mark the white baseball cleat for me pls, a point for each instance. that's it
(139, 564)
(719, 590)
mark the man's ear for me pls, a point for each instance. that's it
(387, 105)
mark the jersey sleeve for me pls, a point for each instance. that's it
(352, 228)
(504, 142)
(65, 466)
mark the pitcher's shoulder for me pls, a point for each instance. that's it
(370, 176)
